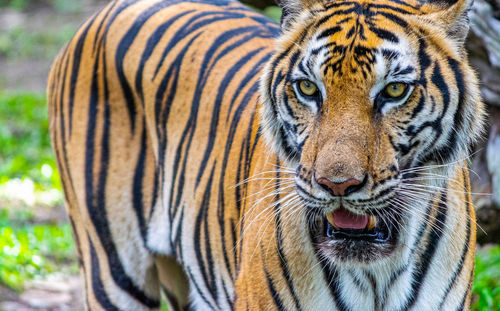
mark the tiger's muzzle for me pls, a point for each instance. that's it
(352, 223)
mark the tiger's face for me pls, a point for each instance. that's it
(359, 94)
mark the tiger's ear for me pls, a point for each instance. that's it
(452, 15)
(291, 10)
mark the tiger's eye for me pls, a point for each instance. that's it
(395, 89)
(307, 87)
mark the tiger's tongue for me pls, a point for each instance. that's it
(347, 220)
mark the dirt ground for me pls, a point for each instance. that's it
(57, 293)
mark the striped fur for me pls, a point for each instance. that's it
(186, 172)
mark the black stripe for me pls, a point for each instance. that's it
(123, 47)
(390, 8)
(123, 5)
(64, 163)
(77, 242)
(151, 44)
(445, 2)
(248, 160)
(255, 71)
(198, 289)
(424, 61)
(374, 285)
(461, 306)
(460, 265)
(362, 9)
(279, 238)
(97, 287)
(410, 5)
(438, 80)
(337, 12)
(200, 85)
(394, 18)
(109, 8)
(162, 115)
(77, 57)
(384, 34)
(229, 142)
(434, 237)
(209, 263)
(357, 282)
(448, 149)
(95, 195)
(223, 86)
(391, 282)
(201, 222)
(273, 292)
(418, 108)
(330, 273)
(154, 195)
(328, 32)
(137, 186)
(459, 118)
(194, 24)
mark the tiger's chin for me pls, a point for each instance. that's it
(358, 239)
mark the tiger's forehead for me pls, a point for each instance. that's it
(369, 6)
(361, 41)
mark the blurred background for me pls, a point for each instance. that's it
(38, 267)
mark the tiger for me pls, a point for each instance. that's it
(217, 160)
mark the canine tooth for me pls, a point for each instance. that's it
(372, 221)
(329, 217)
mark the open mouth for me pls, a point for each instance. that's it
(343, 224)
(350, 237)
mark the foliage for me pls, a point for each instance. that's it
(14, 4)
(70, 6)
(273, 12)
(20, 43)
(487, 280)
(28, 251)
(25, 142)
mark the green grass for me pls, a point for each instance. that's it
(31, 251)
(27, 169)
(25, 150)
(487, 280)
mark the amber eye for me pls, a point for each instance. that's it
(307, 87)
(395, 90)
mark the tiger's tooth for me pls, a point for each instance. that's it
(372, 222)
(329, 217)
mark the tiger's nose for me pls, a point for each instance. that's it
(341, 188)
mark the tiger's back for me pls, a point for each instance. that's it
(137, 65)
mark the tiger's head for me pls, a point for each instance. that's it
(360, 94)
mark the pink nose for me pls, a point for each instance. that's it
(342, 188)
